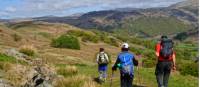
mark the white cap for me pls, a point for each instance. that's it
(125, 45)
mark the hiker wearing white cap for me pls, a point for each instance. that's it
(125, 62)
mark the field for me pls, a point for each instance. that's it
(77, 67)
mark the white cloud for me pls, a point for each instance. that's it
(51, 7)
(10, 9)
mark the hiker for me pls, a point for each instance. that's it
(165, 61)
(125, 62)
(102, 60)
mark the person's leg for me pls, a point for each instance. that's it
(159, 74)
(167, 71)
(105, 73)
(100, 68)
(100, 75)
(123, 81)
(130, 80)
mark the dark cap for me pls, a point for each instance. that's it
(164, 37)
(101, 49)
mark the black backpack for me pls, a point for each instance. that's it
(166, 48)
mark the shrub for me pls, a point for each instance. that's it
(110, 40)
(85, 36)
(190, 69)
(67, 71)
(88, 37)
(16, 37)
(181, 36)
(150, 58)
(28, 50)
(77, 33)
(66, 41)
(136, 50)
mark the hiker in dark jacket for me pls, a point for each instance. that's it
(166, 61)
(125, 62)
(102, 60)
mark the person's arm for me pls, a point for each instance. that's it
(157, 51)
(97, 58)
(135, 62)
(115, 65)
(174, 61)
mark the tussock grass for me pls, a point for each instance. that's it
(14, 78)
(5, 66)
(75, 81)
(16, 75)
(29, 50)
(67, 71)
(16, 37)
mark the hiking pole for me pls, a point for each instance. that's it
(138, 75)
(111, 78)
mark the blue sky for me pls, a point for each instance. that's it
(36, 8)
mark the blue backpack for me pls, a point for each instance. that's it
(126, 62)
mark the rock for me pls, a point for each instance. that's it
(4, 83)
(42, 78)
(14, 53)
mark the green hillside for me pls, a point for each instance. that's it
(152, 26)
(77, 67)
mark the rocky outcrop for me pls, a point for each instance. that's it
(14, 53)
(40, 77)
(4, 83)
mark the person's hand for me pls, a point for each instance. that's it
(114, 68)
(174, 68)
(157, 54)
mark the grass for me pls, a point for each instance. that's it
(67, 71)
(29, 50)
(5, 58)
(146, 76)
(76, 81)
(25, 24)
(45, 34)
(151, 26)
(9, 59)
(176, 80)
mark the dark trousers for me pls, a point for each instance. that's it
(162, 73)
(126, 80)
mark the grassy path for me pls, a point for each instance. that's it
(146, 75)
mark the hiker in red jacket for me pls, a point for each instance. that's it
(166, 61)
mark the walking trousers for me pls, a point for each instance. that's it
(126, 80)
(162, 73)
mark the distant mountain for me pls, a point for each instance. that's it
(3, 20)
(149, 22)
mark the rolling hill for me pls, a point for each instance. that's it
(184, 14)
(77, 68)
(28, 58)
